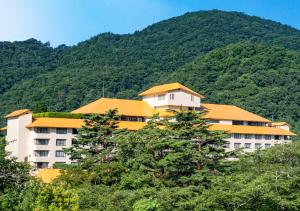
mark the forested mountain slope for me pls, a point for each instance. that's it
(67, 77)
(23, 60)
(262, 78)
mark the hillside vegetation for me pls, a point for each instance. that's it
(177, 165)
(262, 78)
(260, 75)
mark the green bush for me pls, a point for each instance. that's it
(59, 115)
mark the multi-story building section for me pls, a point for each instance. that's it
(41, 140)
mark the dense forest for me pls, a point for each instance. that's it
(229, 57)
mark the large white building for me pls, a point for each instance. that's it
(41, 140)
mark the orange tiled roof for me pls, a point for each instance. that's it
(48, 175)
(131, 125)
(77, 123)
(169, 87)
(17, 113)
(279, 124)
(3, 129)
(251, 129)
(230, 112)
(56, 123)
(125, 107)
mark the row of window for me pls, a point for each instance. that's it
(258, 137)
(59, 142)
(234, 122)
(246, 145)
(45, 153)
(172, 97)
(133, 119)
(58, 130)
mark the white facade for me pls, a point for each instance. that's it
(251, 142)
(17, 136)
(176, 98)
(40, 147)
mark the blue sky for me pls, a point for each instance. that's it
(71, 21)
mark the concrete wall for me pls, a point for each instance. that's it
(17, 136)
(181, 98)
(253, 141)
(51, 147)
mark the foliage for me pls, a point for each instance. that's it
(229, 57)
(260, 78)
(65, 78)
(58, 115)
(13, 174)
(93, 143)
(38, 196)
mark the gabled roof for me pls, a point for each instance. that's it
(18, 113)
(251, 130)
(3, 129)
(125, 107)
(78, 123)
(56, 123)
(169, 87)
(230, 112)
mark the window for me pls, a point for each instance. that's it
(256, 123)
(192, 98)
(268, 137)
(212, 121)
(61, 130)
(257, 146)
(140, 119)
(258, 137)
(237, 145)
(41, 130)
(41, 165)
(277, 137)
(41, 141)
(248, 136)
(237, 122)
(237, 136)
(41, 153)
(132, 119)
(59, 153)
(227, 145)
(267, 145)
(286, 138)
(172, 96)
(60, 142)
(247, 145)
(198, 108)
(74, 131)
(161, 97)
(74, 141)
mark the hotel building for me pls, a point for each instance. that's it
(41, 140)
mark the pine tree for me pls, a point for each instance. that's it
(93, 142)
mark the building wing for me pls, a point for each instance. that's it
(230, 112)
(169, 87)
(251, 130)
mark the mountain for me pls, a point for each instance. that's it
(64, 78)
(262, 78)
